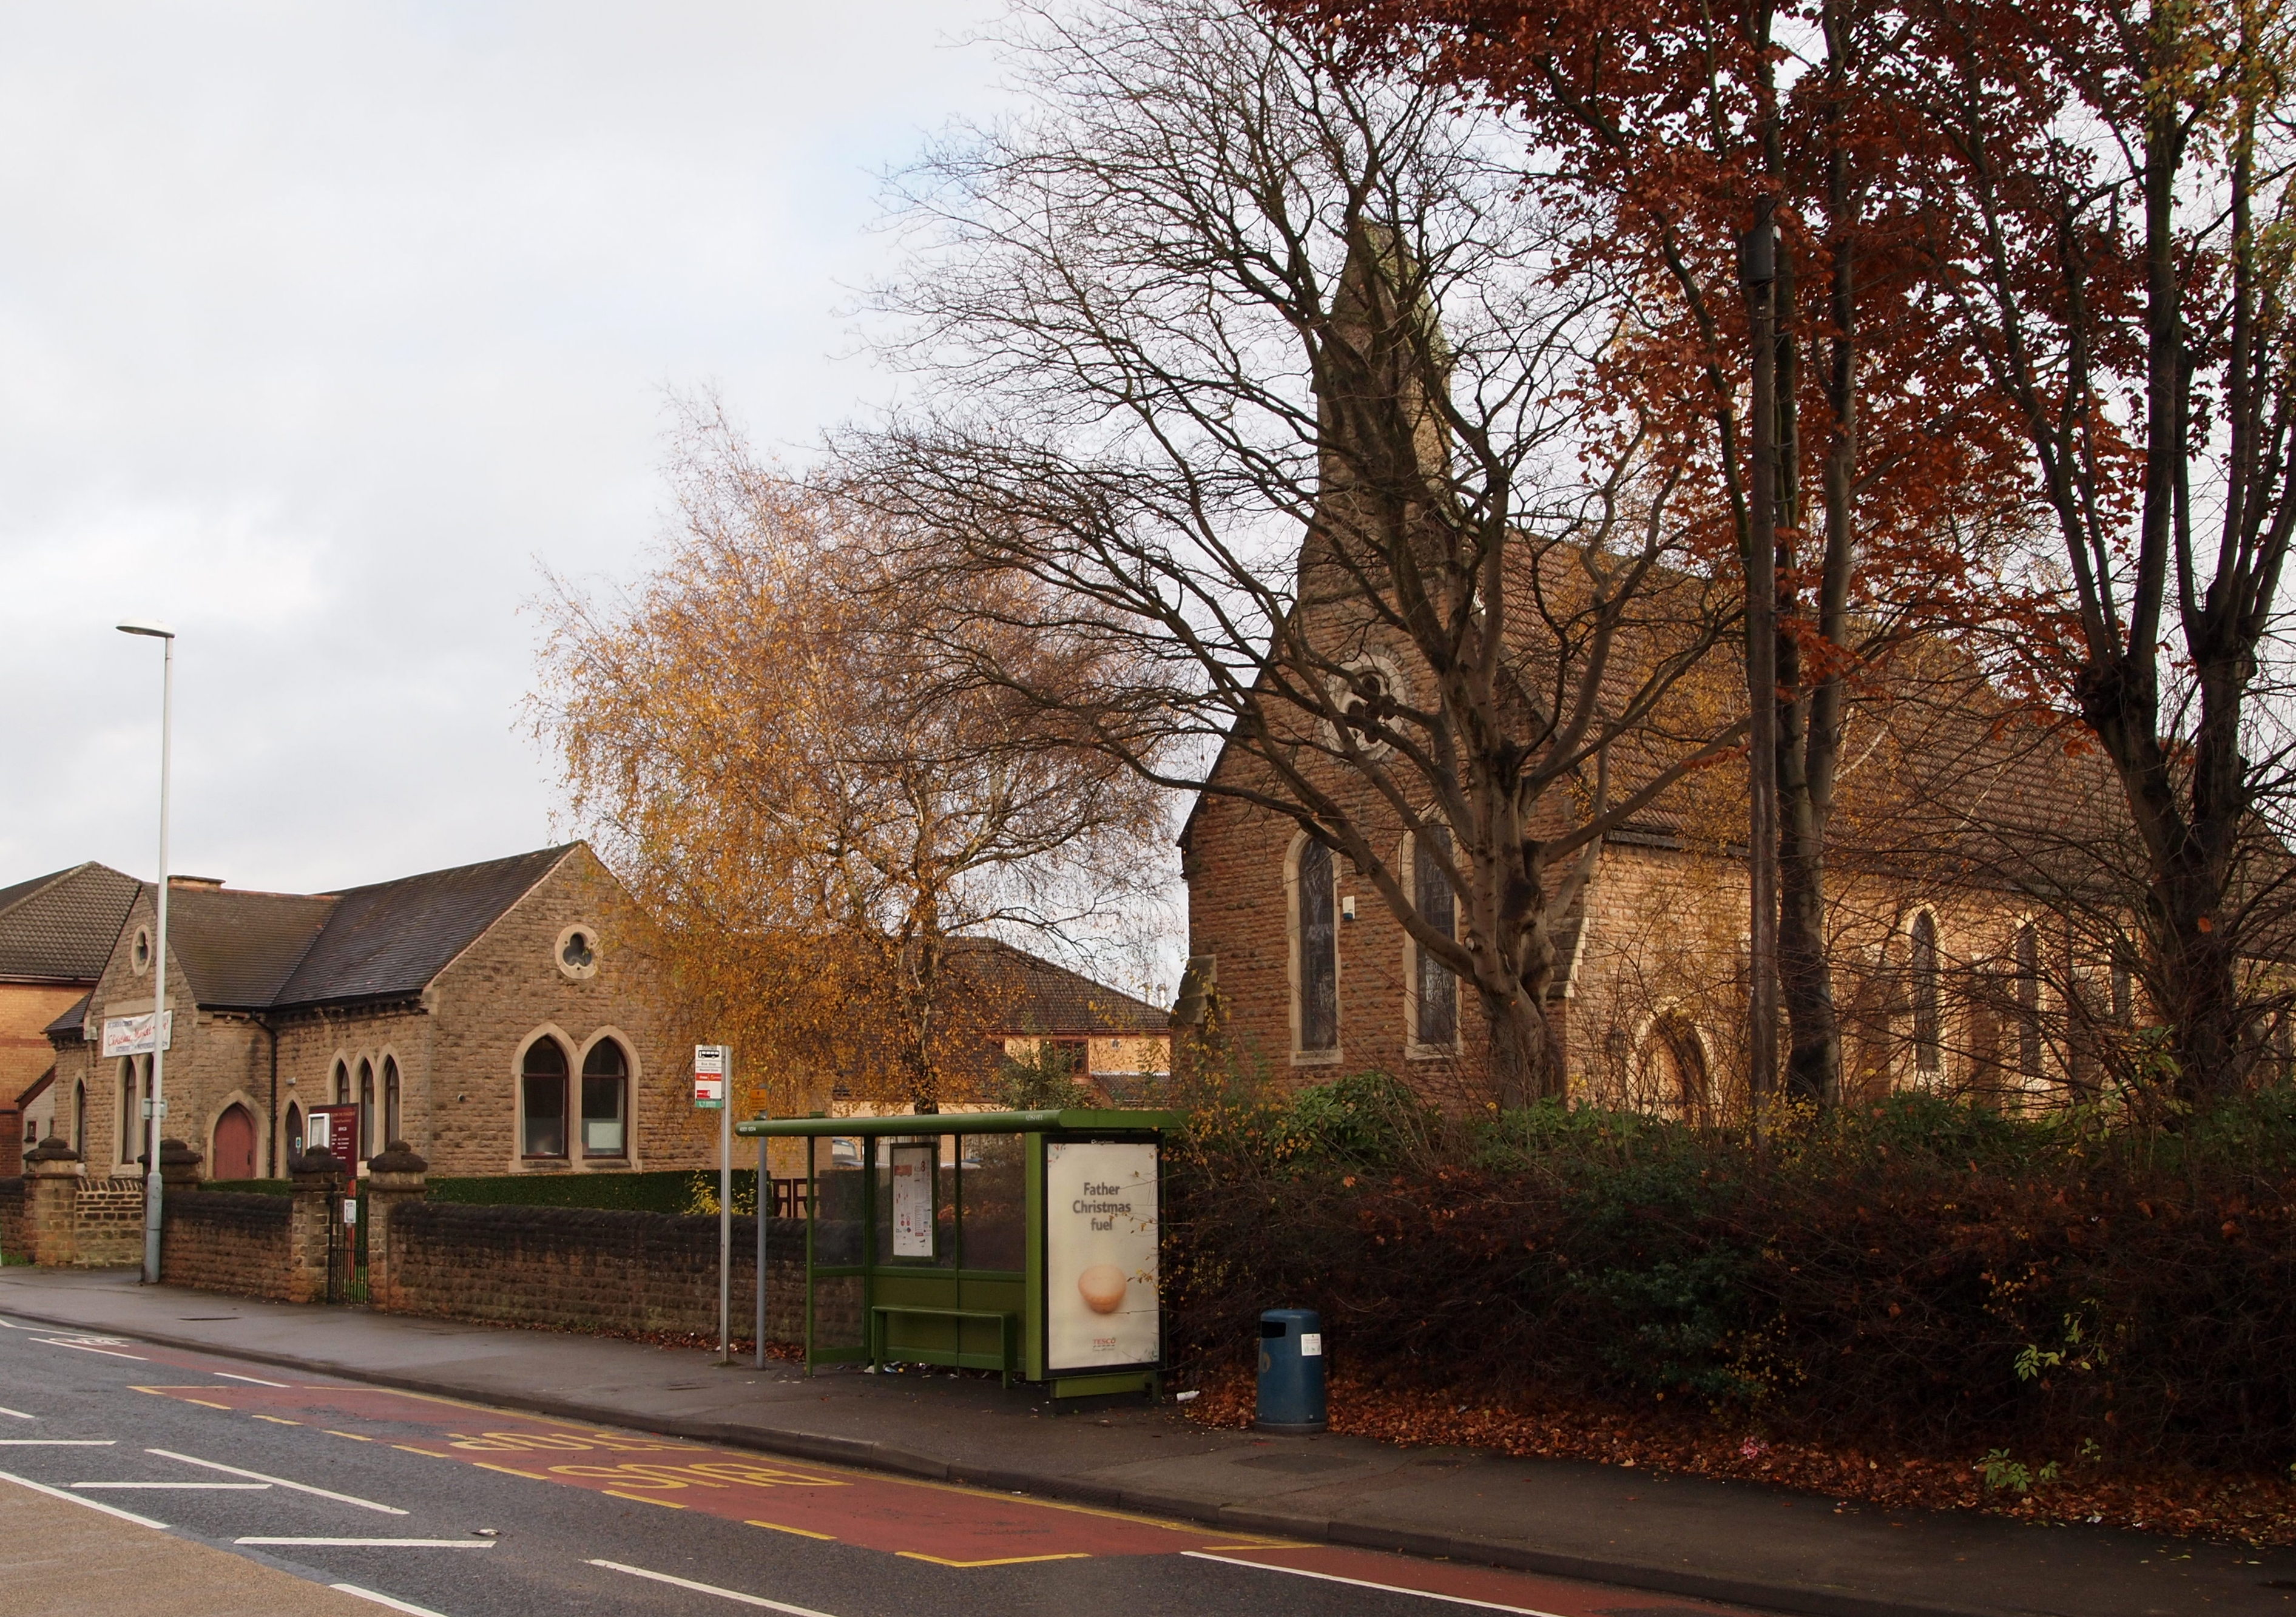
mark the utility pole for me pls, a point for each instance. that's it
(1758, 270)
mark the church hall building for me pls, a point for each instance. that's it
(490, 1016)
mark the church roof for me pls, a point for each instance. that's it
(392, 938)
(254, 951)
(60, 927)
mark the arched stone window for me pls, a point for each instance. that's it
(1316, 943)
(366, 1110)
(1929, 1024)
(79, 1118)
(2025, 967)
(294, 1130)
(605, 1101)
(1674, 1064)
(542, 1100)
(131, 1109)
(394, 1126)
(342, 1083)
(1435, 991)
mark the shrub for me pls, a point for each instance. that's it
(1916, 1271)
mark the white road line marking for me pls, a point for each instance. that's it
(183, 1487)
(383, 1543)
(19, 1415)
(83, 1347)
(1364, 1583)
(262, 1476)
(396, 1605)
(57, 1442)
(257, 1379)
(712, 1588)
(12, 1326)
(58, 1493)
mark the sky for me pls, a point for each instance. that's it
(324, 329)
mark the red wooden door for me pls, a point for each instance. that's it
(235, 1144)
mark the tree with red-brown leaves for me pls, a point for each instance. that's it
(1878, 466)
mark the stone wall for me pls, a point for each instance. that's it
(224, 1243)
(110, 1222)
(589, 1269)
(13, 1242)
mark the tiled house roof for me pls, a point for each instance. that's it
(1031, 995)
(60, 927)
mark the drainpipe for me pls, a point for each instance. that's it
(272, 1160)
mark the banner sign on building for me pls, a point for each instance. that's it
(1101, 1311)
(133, 1035)
(709, 1077)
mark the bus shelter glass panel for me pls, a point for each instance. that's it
(993, 1173)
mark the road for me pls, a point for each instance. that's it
(433, 1505)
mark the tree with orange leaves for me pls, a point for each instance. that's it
(765, 748)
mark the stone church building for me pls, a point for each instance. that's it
(1951, 807)
(487, 1015)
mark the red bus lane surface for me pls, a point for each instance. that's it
(946, 1524)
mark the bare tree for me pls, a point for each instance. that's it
(1266, 378)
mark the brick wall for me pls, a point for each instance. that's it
(224, 1243)
(589, 1267)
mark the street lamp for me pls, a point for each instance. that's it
(151, 1182)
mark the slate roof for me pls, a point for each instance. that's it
(60, 927)
(1031, 995)
(73, 1020)
(392, 938)
(259, 951)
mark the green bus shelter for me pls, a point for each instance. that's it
(1020, 1242)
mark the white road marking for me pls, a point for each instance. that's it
(1364, 1583)
(184, 1486)
(19, 1415)
(58, 1493)
(396, 1605)
(712, 1588)
(84, 1347)
(261, 1476)
(12, 1326)
(57, 1442)
(257, 1379)
(383, 1543)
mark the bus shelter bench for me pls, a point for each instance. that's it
(879, 1313)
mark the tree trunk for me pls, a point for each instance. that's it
(1526, 1056)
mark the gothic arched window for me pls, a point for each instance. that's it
(1318, 940)
(542, 1100)
(1929, 1043)
(1436, 990)
(605, 1100)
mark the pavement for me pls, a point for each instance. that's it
(57, 1559)
(1745, 1544)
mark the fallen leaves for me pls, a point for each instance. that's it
(2253, 1509)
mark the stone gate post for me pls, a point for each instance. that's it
(317, 1179)
(52, 1171)
(394, 1178)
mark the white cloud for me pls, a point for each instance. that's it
(320, 325)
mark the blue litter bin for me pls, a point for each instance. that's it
(1290, 1371)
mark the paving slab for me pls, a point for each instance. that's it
(1757, 1546)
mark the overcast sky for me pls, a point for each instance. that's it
(322, 327)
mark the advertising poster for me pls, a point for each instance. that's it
(1101, 1308)
(913, 1200)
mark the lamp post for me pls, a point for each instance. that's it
(166, 636)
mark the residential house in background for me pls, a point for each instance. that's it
(56, 932)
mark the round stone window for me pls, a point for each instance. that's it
(578, 950)
(139, 953)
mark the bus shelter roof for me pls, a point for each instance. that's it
(1062, 1122)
